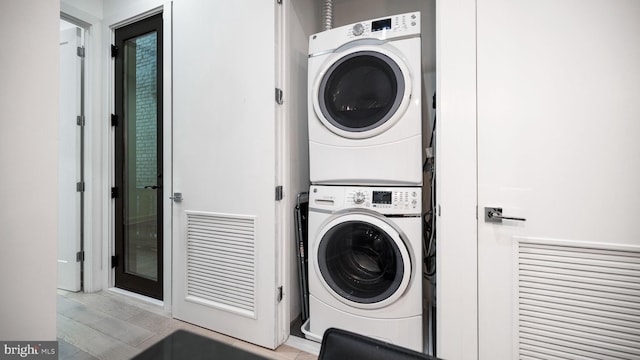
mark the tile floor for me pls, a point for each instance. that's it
(111, 326)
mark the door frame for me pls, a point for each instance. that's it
(133, 282)
(128, 15)
(80, 161)
(91, 267)
(456, 176)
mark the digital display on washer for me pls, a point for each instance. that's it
(378, 25)
(382, 197)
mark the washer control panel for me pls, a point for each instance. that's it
(385, 200)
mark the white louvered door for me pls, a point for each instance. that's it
(225, 139)
(558, 84)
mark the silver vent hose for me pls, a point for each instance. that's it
(328, 14)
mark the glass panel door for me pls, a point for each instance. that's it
(142, 179)
(139, 157)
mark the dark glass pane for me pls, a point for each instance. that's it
(141, 156)
(362, 91)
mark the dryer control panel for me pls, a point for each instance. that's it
(385, 200)
(388, 28)
(383, 28)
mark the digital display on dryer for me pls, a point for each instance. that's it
(382, 197)
(378, 25)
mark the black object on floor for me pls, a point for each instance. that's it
(184, 345)
(301, 215)
(338, 344)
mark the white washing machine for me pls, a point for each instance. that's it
(365, 115)
(365, 266)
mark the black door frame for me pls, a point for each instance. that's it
(123, 279)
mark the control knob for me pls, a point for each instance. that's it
(358, 29)
(358, 197)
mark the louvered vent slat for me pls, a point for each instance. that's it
(546, 354)
(578, 302)
(222, 270)
(625, 329)
(221, 267)
(577, 280)
(585, 275)
(221, 256)
(535, 348)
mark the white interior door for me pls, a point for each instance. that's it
(558, 125)
(224, 165)
(69, 161)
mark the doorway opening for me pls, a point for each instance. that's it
(138, 190)
(71, 130)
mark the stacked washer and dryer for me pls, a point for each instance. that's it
(365, 151)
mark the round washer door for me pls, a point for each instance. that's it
(362, 91)
(362, 261)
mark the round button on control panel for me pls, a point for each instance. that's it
(358, 29)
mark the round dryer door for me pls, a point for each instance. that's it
(362, 91)
(362, 261)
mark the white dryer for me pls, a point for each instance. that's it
(365, 262)
(365, 114)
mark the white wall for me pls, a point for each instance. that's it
(307, 12)
(28, 159)
(91, 7)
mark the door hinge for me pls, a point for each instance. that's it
(114, 192)
(80, 256)
(279, 95)
(80, 186)
(114, 51)
(114, 120)
(80, 120)
(114, 261)
(279, 193)
(279, 2)
(80, 51)
(280, 293)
